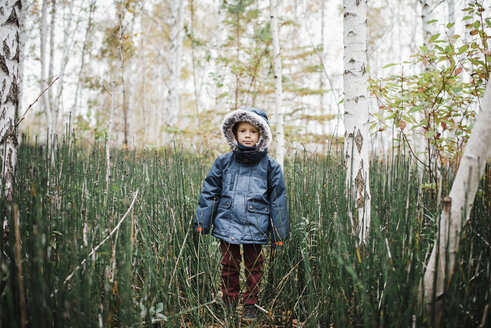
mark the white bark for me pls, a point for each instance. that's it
(176, 38)
(43, 62)
(217, 51)
(451, 18)
(278, 88)
(458, 205)
(83, 54)
(427, 15)
(68, 43)
(51, 58)
(141, 55)
(356, 118)
(10, 12)
(322, 75)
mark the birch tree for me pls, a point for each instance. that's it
(42, 60)
(451, 19)
(176, 38)
(278, 90)
(457, 208)
(356, 144)
(83, 55)
(10, 13)
(217, 53)
(428, 20)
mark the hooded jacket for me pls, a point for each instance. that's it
(244, 195)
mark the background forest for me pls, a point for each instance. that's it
(118, 111)
(164, 70)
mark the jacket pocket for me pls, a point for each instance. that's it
(258, 217)
(225, 202)
(258, 207)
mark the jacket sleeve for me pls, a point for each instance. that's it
(208, 200)
(279, 220)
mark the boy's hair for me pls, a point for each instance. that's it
(254, 116)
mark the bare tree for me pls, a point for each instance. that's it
(176, 38)
(43, 62)
(451, 19)
(457, 208)
(278, 89)
(356, 118)
(88, 31)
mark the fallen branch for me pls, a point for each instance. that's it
(116, 228)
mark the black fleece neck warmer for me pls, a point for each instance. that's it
(248, 155)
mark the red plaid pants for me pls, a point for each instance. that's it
(231, 259)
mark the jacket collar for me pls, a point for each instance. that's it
(248, 155)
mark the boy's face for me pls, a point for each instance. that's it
(247, 134)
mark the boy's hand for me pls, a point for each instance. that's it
(277, 244)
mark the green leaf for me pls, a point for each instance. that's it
(434, 37)
(463, 49)
(466, 17)
(429, 134)
(416, 109)
(379, 116)
(373, 126)
(475, 61)
(390, 65)
(432, 21)
(450, 25)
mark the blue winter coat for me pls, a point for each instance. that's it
(245, 203)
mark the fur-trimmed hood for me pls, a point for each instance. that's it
(254, 116)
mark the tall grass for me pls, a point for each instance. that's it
(155, 270)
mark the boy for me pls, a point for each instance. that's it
(244, 196)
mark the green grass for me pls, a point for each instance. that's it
(154, 269)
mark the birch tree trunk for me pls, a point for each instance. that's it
(10, 13)
(278, 89)
(427, 15)
(457, 208)
(451, 19)
(88, 31)
(51, 58)
(194, 66)
(124, 96)
(217, 52)
(68, 44)
(322, 76)
(42, 60)
(176, 38)
(356, 144)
